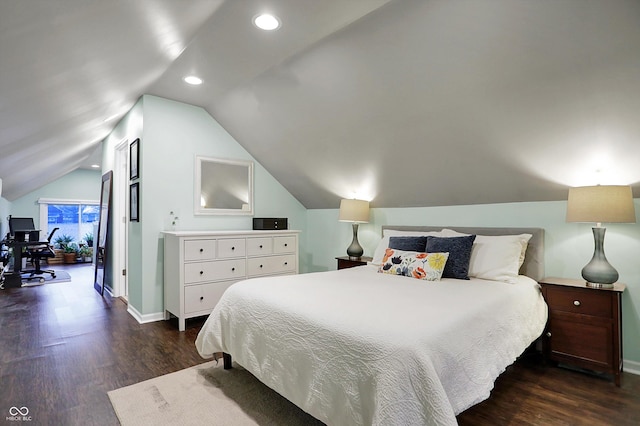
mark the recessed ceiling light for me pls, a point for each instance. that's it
(95, 166)
(193, 80)
(266, 22)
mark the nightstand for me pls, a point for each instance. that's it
(345, 262)
(585, 325)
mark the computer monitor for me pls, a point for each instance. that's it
(20, 224)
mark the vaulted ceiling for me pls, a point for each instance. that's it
(405, 102)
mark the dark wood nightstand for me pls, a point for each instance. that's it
(345, 262)
(585, 325)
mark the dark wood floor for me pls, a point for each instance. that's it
(63, 347)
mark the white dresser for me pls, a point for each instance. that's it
(200, 265)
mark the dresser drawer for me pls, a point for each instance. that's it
(199, 250)
(587, 302)
(203, 297)
(284, 245)
(271, 265)
(235, 247)
(259, 246)
(214, 271)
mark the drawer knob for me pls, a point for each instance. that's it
(576, 302)
(261, 266)
(286, 263)
(260, 245)
(201, 250)
(201, 298)
(201, 272)
(548, 334)
(286, 245)
(233, 248)
(233, 269)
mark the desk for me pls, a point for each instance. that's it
(18, 247)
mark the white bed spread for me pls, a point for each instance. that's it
(355, 347)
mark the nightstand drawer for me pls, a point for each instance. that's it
(590, 341)
(586, 302)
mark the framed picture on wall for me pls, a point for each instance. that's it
(134, 159)
(134, 206)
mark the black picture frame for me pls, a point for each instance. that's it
(134, 159)
(134, 202)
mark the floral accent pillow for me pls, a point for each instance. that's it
(420, 265)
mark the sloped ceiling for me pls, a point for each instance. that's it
(407, 103)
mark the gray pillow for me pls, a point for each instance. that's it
(459, 249)
(408, 243)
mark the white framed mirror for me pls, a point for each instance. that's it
(223, 186)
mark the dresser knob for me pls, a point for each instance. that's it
(286, 245)
(548, 334)
(201, 250)
(201, 298)
(233, 248)
(576, 302)
(233, 269)
(260, 245)
(286, 263)
(261, 266)
(201, 272)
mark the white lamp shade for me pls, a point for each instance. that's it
(601, 204)
(354, 211)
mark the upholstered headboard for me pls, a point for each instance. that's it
(533, 265)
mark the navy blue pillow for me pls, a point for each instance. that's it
(408, 243)
(459, 249)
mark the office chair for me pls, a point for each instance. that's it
(36, 254)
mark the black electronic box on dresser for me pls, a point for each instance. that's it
(585, 325)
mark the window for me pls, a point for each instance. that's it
(75, 218)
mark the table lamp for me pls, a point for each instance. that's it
(356, 211)
(601, 203)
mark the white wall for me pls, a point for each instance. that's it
(172, 134)
(127, 130)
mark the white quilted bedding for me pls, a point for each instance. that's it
(355, 347)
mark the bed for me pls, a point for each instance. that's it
(360, 347)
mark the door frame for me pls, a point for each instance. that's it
(120, 224)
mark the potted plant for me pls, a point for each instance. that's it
(86, 253)
(70, 253)
(88, 237)
(59, 245)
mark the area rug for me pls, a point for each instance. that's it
(61, 277)
(205, 395)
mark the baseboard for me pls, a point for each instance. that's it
(632, 367)
(144, 318)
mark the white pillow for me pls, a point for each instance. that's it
(496, 257)
(384, 242)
